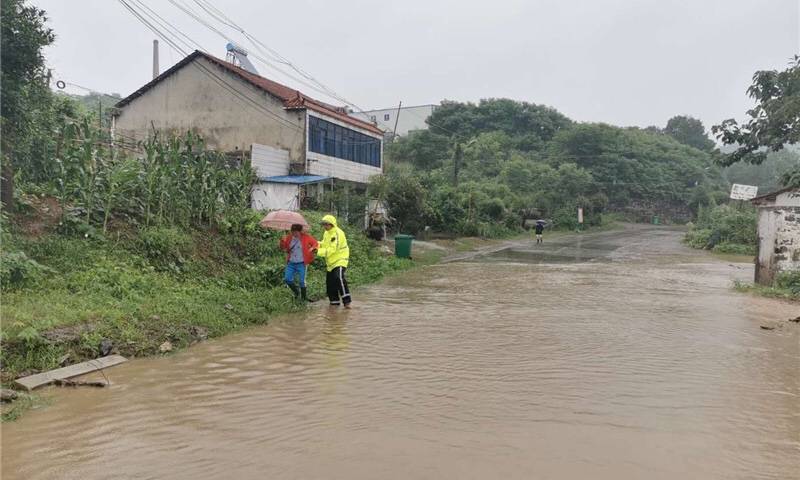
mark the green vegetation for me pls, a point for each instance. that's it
(142, 287)
(481, 169)
(786, 286)
(774, 121)
(22, 404)
(724, 229)
(689, 131)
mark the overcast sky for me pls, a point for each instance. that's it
(625, 62)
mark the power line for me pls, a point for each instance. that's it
(243, 98)
(170, 27)
(224, 19)
(263, 61)
(90, 90)
(221, 82)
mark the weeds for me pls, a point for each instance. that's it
(786, 287)
(724, 229)
(22, 404)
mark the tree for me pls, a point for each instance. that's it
(530, 125)
(768, 175)
(689, 131)
(774, 121)
(404, 195)
(23, 84)
(423, 149)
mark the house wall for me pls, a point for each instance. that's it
(274, 196)
(192, 99)
(778, 237)
(325, 165)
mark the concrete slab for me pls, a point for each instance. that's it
(34, 381)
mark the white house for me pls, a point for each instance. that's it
(778, 234)
(408, 119)
(284, 132)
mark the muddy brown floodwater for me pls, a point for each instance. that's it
(619, 355)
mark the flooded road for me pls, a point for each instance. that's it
(619, 355)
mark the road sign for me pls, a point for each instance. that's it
(580, 215)
(743, 192)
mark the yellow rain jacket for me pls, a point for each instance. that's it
(333, 246)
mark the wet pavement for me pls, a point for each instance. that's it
(616, 355)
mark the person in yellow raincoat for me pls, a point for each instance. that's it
(333, 248)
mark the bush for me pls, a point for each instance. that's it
(730, 229)
(17, 270)
(734, 248)
(697, 237)
(789, 281)
(165, 248)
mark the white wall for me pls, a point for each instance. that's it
(788, 199)
(319, 164)
(275, 196)
(778, 237)
(269, 161)
(410, 119)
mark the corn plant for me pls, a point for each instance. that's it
(175, 181)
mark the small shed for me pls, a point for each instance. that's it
(284, 192)
(778, 247)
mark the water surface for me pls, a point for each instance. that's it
(619, 355)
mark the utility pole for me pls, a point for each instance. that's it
(155, 58)
(396, 119)
(456, 162)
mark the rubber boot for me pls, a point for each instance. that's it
(304, 294)
(295, 290)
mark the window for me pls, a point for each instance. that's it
(336, 141)
(385, 116)
(372, 117)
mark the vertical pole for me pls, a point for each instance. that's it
(396, 119)
(155, 58)
(456, 163)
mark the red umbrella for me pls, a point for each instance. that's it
(283, 220)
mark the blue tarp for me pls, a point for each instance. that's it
(295, 179)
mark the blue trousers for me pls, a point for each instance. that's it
(293, 269)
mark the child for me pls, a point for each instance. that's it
(299, 247)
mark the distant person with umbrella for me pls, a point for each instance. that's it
(336, 253)
(539, 229)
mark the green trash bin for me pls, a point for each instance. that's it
(656, 220)
(402, 245)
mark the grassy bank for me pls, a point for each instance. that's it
(786, 287)
(64, 295)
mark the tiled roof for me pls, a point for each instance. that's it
(292, 99)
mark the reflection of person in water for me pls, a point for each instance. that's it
(335, 343)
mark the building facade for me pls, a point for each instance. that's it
(778, 234)
(408, 119)
(283, 131)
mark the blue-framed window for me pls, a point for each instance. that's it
(336, 141)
